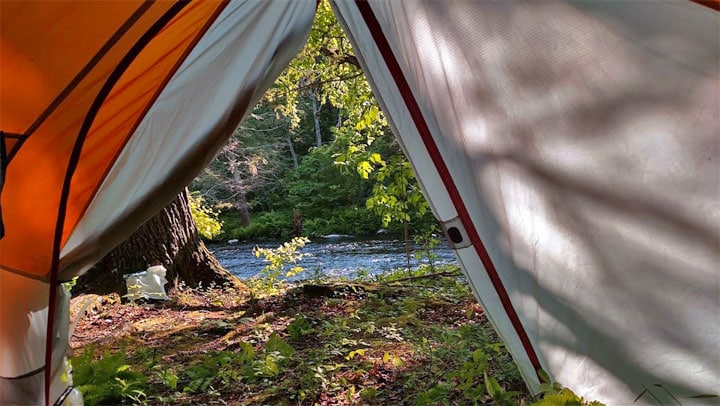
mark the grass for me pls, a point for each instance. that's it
(424, 341)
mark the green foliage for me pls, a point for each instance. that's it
(357, 221)
(428, 242)
(467, 376)
(246, 172)
(280, 258)
(396, 197)
(220, 368)
(224, 368)
(108, 380)
(299, 328)
(564, 397)
(277, 354)
(270, 225)
(554, 394)
(326, 67)
(499, 395)
(206, 219)
(167, 377)
(425, 343)
(318, 184)
(358, 164)
(327, 70)
(438, 394)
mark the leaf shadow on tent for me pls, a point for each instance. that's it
(595, 162)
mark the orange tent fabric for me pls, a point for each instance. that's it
(76, 79)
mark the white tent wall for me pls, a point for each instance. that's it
(220, 81)
(582, 140)
(23, 332)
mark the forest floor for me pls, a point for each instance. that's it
(394, 340)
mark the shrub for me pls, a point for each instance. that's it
(108, 380)
(351, 220)
(278, 259)
(271, 225)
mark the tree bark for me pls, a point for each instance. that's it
(316, 119)
(169, 238)
(242, 205)
(292, 153)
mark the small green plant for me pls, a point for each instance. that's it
(554, 394)
(276, 355)
(108, 380)
(299, 328)
(428, 242)
(438, 394)
(166, 376)
(470, 373)
(499, 395)
(280, 258)
(564, 397)
(223, 368)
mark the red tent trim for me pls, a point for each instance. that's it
(432, 149)
(159, 90)
(72, 165)
(713, 4)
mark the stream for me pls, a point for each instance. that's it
(336, 257)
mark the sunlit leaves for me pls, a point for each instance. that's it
(326, 67)
(287, 255)
(396, 196)
(206, 219)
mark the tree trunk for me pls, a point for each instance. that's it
(240, 201)
(316, 118)
(293, 154)
(169, 238)
(242, 205)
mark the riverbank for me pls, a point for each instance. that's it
(279, 224)
(421, 341)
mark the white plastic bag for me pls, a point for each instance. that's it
(149, 284)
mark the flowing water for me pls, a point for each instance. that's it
(333, 257)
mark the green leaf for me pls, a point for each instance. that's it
(275, 343)
(492, 385)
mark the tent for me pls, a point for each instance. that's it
(570, 149)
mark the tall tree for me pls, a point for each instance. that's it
(169, 238)
(251, 163)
